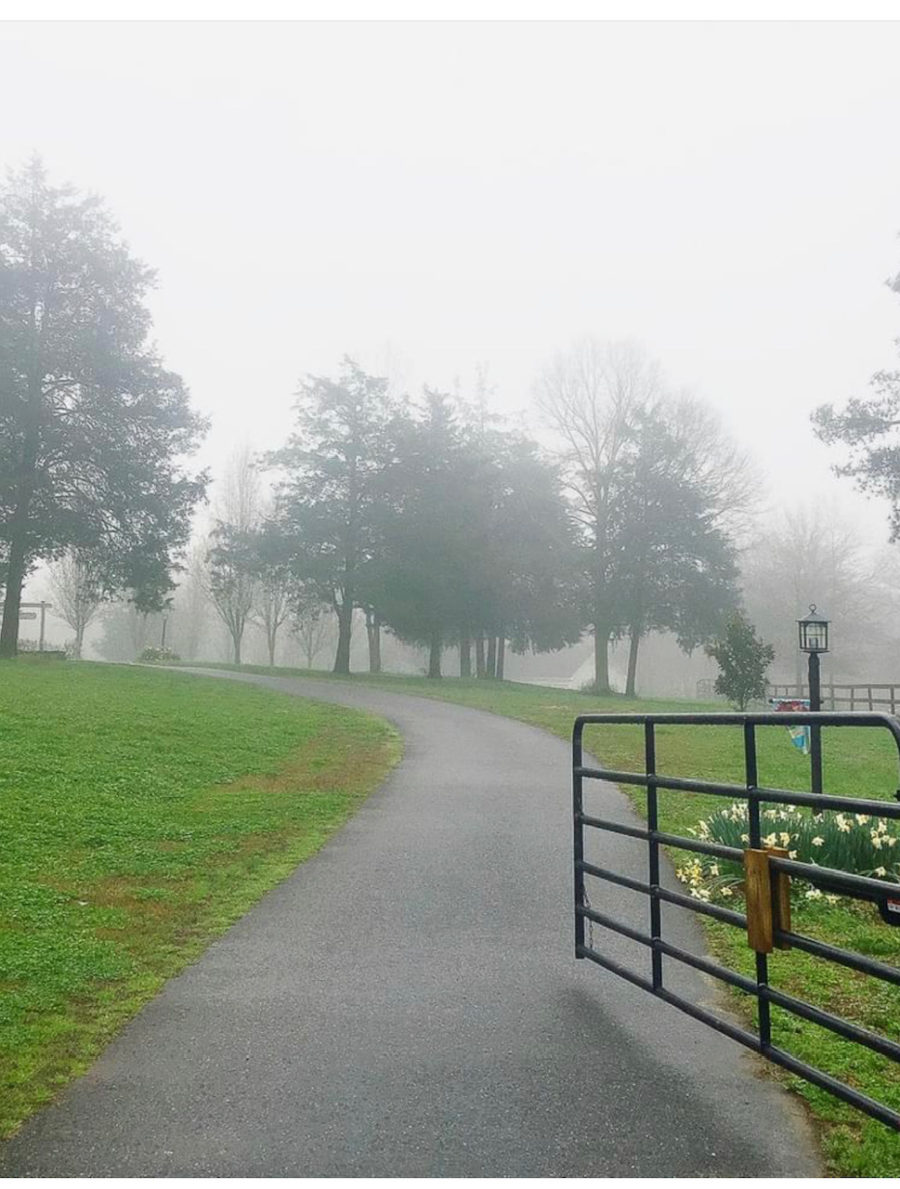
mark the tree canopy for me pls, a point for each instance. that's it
(93, 428)
(870, 429)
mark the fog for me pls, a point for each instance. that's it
(431, 198)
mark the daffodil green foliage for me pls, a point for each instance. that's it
(853, 842)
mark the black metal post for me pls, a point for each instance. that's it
(577, 810)
(815, 732)
(653, 826)
(764, 1015)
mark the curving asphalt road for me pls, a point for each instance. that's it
(407, 1004)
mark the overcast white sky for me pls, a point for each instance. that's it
(728, 194)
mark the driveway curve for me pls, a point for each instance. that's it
(407, 1004)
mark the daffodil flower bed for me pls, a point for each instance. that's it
(855, 842)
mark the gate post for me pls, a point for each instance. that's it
(578, 827)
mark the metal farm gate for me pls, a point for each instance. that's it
(767, 874)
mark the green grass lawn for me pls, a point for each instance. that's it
(142, 812)
(857, 763)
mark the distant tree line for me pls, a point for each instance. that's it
(452, 531)
(424, 516)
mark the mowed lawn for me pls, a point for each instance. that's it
(857, 762)
(141, 813)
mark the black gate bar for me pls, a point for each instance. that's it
(861, 887)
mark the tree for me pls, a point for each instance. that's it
(127, 631)
(270, 561)
(328, 493)
(869, 428)
(232, 558)
(813, 555)
(428, 531)
(77, 589)
(231, 581)
(311, 625)
(191, 601)
(591, 396)
(528, 586)
(674, 566)
(743, 661)
(92, 426)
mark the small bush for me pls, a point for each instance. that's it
(853, 842)
(158, 656)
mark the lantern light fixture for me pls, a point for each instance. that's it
(813, 631)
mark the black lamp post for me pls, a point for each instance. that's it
(814, 641)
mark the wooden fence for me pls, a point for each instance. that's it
(845, 697)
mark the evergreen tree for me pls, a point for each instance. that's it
(91, 425)
(425, 577)
(328, 493)
(674, 565)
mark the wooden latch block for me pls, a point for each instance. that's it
(768, 898)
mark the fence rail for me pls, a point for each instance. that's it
(836, 696)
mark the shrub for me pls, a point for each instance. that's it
(158, 656)
(743, 660)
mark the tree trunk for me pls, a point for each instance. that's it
(601, 658)
(465, 656)
(271, 635)
(345, 628)
(501, 654)
(17, 560)
(236, 641)
(491, 665)
(79, 641)
(18, 524)
(15, 576)
(373, 632)
(632, 662)
(434, 654)
(479, 656)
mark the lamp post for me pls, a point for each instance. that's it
(814, 641)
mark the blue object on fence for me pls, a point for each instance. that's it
(799, 735)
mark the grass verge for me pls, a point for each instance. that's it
(142, 814)
(857, 763)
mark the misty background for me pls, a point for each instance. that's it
(453, 203)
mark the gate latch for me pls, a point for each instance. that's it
(767, 893)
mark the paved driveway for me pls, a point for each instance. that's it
(407, 1004)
